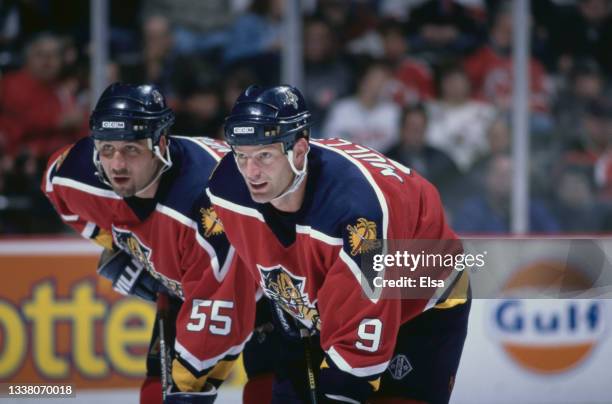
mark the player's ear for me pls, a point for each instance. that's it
(300, 148)
(163, 143)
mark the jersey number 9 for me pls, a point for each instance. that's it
(369, 332)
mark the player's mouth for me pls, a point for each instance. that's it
(257, 186)
(121, 180)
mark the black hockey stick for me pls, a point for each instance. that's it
(162, 306)
(279, 314)
(312, 385)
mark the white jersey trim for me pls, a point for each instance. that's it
(379, 195)
(220, 275)
(214, 261)
(200, 365)
(359, 372)
(201, 142)
(49, 184)
(333, 241)
(70, 183)
(373, 295)
(234, 207)
(69, 218)
(89, 230)
(448, 282)
(343, 399)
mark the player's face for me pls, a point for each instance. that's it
(129, 165)
(265, 169)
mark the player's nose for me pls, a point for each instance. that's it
(251, 170)
(117, 162)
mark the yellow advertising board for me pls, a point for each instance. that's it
(62, 323)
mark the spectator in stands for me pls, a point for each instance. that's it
(413, 152)
(255, 39)
(490, 71)
(592, 149)
(351, 21)
(413, 77)
(200, 111)
(584, 85)
(583, 31)
(326, 76)
(157, 63)
(594, 138)
(458, 123)
(440, 29)
(199, 27)
(38, 113)
(367, 117)
(234, 84)
(574, 204)
(498, 143)
(488, 212)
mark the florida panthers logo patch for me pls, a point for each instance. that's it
(61, 158)
(288, 291)
(210, 222)
(362, 236)
(130, 243)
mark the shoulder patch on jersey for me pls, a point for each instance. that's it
(210, 222)
(362, 236)
(61, 158)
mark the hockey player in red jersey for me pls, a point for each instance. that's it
(301, 214)
(140, 193)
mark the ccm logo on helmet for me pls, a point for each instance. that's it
(244, 130)
(113, 125)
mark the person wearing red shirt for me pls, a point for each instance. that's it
(37, 113)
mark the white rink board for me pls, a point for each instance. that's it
(488, 375)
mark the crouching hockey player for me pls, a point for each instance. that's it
(301, 214)
(140, 193)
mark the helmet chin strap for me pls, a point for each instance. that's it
(298, 177)
(166, 160)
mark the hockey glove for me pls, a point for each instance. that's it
(129, 277)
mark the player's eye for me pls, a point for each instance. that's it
(106, 150)
(264, 157)
(131, 150)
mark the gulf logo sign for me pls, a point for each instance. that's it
(547, 336)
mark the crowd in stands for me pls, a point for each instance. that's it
(426, 82)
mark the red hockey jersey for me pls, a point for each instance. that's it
(308, 262)
(177, 237)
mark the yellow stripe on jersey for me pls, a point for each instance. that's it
(374, 383)
(105, 239)
(185, 380)
(458, 295)
(222, 370)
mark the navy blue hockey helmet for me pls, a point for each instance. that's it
(130, 112)
(265, 115)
